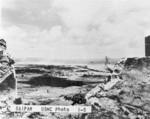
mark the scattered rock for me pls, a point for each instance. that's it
(76, 99)
(18, 101)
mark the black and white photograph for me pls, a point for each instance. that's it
(71, 54)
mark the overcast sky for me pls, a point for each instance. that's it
(75, 29)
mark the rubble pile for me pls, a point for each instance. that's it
(7, 81)
(123, 96)
(6, 100)
(124, 93)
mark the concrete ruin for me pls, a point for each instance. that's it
(147, 46)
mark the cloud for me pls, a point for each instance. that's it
(36, 13)
(75, 29)
(109, 24)
(45, 44)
